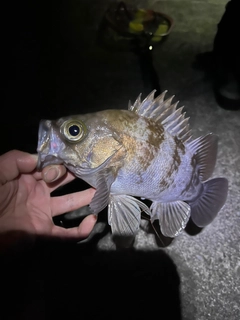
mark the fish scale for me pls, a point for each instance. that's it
(146, 151)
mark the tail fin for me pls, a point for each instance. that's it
(206, 208)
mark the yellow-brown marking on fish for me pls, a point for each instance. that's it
(129, 144)
(156, 134)
(146, 155)
(144, 147)
(175, 165)
(103, 149)
(180, 145)
(117, 161)
(193, 176)
(120, 119)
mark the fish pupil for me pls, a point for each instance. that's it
(74, 130)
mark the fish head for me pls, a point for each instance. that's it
(57, 141)
(80, 142)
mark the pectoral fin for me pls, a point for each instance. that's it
(101, 197)
(172, 216)
(101, 178)
(124, 214)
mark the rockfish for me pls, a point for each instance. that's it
(145, 152)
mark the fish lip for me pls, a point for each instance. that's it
(45, 160)
(44, 135)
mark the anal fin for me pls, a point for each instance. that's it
(172, 216)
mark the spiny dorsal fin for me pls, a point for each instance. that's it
(163, 111)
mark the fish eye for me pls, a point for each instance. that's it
(73, 130)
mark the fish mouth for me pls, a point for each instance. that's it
(46, 160)
(47, 146)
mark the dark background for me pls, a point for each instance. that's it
(52, 66)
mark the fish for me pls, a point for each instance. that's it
(145, 151)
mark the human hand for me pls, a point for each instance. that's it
(26, 205)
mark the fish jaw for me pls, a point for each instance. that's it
(49, 145)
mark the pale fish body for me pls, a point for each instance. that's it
(145, 152)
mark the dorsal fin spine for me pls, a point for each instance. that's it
(164, 112)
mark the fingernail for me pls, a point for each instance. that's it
(34, 156)
(52, 174)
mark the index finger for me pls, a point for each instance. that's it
(14, 162)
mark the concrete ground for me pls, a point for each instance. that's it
(54, 66)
